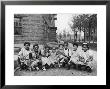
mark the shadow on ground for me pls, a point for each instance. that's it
(55, 72)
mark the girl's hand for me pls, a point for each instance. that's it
(81, 59)
(89, 59)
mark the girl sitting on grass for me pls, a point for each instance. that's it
(24, 57)
(36, 56)
(53, 57)
(61, 55)
(86, 58)
(74, 59)
(45, 58)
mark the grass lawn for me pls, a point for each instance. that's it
(55, 72)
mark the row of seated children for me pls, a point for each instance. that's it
(61, 56)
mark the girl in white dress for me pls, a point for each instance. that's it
(86, 58)
(74, 59)
(45, 58)
(24, 56)
(53, 57)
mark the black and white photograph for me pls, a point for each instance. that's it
(58, 44)
(55, 44)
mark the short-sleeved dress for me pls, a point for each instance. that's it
(45, 58)
(88, 58)
(53, 58)
(24, 55)
(74, 57)
(36, 57)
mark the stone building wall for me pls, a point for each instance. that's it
(36, 28)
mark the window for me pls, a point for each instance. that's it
(17, 26)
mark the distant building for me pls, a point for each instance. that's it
(35, 28)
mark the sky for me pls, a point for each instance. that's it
(62, 23)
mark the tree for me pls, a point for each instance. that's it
(93, 25)
(60, 36)
(85, 23)
(69, 35)
(64, 34)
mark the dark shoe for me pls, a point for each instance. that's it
(83, 68)
(63, 64)
(68, 67)
(88, 69)
(51, 66)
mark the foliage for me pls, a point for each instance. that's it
(84, 22)
(64, 33)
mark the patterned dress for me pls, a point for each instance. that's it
(45, 58)
(24, 56)
(87, 58)
(53, 58)
(36, 58)
(61, 55)
(74, 57)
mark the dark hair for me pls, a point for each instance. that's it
(75, 44)
(26, 43)
(60, 44)
(86, 45)
(65, 43)
(35, 45)
(46, 46)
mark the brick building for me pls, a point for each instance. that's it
(34, 28)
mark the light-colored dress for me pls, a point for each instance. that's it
(24, 56)
(45, 58)
(36, 58)
(53, 58)
(61, 54)
(24, 53)
(67, 52)
(87, 57)
(74, 57)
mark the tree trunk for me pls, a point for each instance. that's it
(84, 35)
(70, 37)
(89, 35)
(74, 36)
(93, 34)
(80, 35)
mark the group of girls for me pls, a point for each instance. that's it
(55, 57)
